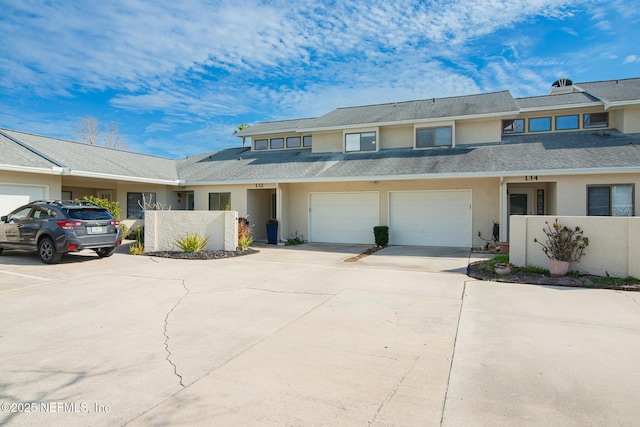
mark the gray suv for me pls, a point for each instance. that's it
(55, 227)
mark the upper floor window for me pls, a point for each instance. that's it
(540, 124)
(260, 144)
(365, 141)
(293, 142)
(306, 141)
(277, 143)
(567, 122)
(434, 137)
(513, 126)
(595, 120)
(610, 200)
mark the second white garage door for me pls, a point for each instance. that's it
(343, 217)
(430, 218)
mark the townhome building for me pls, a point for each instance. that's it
(438, 171)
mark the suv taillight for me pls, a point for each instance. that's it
(68, 225)
(115, 222)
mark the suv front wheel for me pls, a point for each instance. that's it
(47, 251)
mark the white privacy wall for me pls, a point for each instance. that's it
(162, 228)
(614, 243)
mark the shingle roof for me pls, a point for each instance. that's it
(80, 157)
(613, 90)
(559, 100)
(489, 103)
(14, 154)
(280, 126)
(553, 151)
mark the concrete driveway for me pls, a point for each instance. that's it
(297, 336)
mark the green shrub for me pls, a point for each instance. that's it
(123, 230)
(191, 242)
(112, 207)
(136, 248)
(381, 235)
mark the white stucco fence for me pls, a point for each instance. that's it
(614, 243)
(162, 228)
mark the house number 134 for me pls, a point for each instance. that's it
(531, 178)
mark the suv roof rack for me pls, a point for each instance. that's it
(66, 202)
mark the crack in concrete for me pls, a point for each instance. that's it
(453, 355)
(166, 340)
(629, 296)
(288, 292)
(394, 391)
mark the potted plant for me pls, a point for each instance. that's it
(503, 268)
(563, 245)
(272, 231)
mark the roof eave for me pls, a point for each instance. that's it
(99, 175)
(408, 177)
(562, 107)
(415, 121)
(55, 170)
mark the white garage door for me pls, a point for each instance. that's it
(343, 217)
(430, 218)
(14, 196)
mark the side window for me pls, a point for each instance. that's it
(19, 215)
(41, 213)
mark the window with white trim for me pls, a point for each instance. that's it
(219, 201)
(365, 141)
(307, 141)
(261, 144)
(610, 200)
(434, 137)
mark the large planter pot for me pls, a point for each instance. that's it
(272, 234)
(558, 268)
(504, 247)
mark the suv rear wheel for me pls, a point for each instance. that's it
(47, 251)
(105, 252)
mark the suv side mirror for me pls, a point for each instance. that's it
(4, 218)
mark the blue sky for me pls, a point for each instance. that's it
(178, 77)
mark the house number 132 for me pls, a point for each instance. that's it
(531, 178)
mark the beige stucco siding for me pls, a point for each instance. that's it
(327, 142)
(629, 121)
(396, 137)
(478, 131)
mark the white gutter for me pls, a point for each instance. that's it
(408, 177)
(55, 170)
(123, 178)
(562, 107)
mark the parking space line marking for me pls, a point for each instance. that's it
(26, 276)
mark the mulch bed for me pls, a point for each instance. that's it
(366, 253)
(582, 281)
(202, 254)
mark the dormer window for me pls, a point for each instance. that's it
(513, 126)
(277, 143)
(261, 144)
(596, 120)
(540, 124)
(365, 141)
(434, 137)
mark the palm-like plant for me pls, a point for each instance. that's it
(242, 127)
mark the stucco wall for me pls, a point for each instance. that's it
(477, 131)
(630, 120)
(613, 249)
(162, 228)
(50, 185)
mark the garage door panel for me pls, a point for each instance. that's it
(430, 218)
(13, 196)
(343, 217)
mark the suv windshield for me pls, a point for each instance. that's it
(88, 214)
